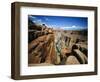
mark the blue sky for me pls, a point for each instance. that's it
(61, 22)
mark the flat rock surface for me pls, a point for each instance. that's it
(72, 60)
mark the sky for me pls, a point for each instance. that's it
(61, 22)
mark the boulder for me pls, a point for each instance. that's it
(72, 60)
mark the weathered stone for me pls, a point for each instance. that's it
(58, 60)
(72, 60)
(80, 56)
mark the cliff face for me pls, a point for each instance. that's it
(71, 46)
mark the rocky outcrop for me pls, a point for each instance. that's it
(42, 50)
(71, 60)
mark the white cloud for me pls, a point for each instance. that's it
(72, 28)
(32, 17)
(66, 27)
(46, 19)
(39, 21)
